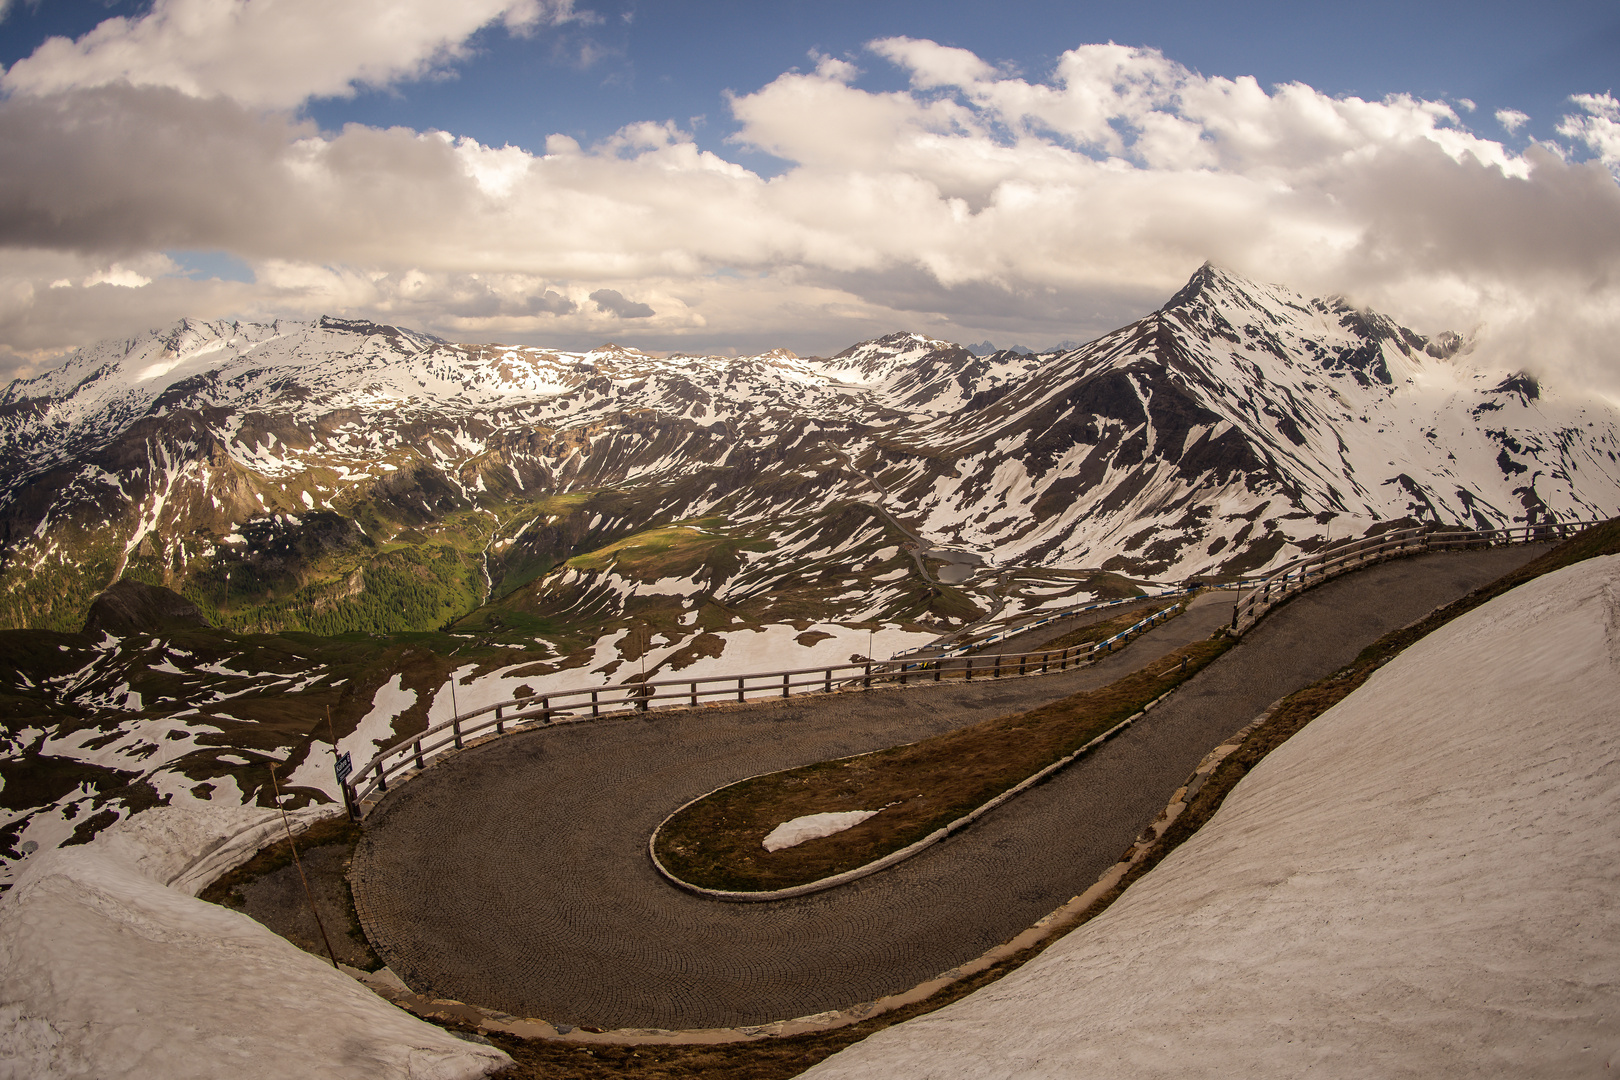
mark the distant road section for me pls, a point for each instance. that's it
(515, 876)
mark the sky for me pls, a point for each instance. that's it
(738, 176)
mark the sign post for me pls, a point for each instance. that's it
(344, 767)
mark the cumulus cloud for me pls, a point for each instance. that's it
(1599, 129)
(973, 203)
(1512, 120)
(273, 53)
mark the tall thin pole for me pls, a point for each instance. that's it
(331, 729)
(285, 824)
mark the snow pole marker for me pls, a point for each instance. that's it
(285, 824)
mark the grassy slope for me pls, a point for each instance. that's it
(239, 684)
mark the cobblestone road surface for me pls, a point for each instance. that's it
(516, 876)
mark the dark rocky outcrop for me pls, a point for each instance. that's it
(134, 607)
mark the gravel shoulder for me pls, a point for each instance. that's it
(515, 875)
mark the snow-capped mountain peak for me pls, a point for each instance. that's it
(1237, 425)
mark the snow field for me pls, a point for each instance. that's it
(109, 967)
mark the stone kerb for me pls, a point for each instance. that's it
(1053, 924)
(894, 857)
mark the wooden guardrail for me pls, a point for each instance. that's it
(1287, 581)
(412, 754)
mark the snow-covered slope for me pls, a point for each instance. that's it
(1423, 882)
(106, 970)
(260, 468)
(1242, 422)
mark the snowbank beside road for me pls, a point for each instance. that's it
(1423, 882)
(109, 967)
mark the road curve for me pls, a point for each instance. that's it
(515, 875)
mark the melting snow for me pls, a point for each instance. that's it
(113, 968)
(813, 827)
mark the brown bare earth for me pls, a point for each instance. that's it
(269, 888)
(1099, 631)
(715, 843)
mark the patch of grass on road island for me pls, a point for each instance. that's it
(716, 842)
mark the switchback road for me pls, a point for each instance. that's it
(515, 875)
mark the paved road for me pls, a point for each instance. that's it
(515, 876)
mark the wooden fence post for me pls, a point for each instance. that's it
(419, 763)
(500, 725)
(694, 693)
(545, 708)
(740, 688)
(596, 709)
(455, 726)
(784, 684)
(866, 679)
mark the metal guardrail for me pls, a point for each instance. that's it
(1302, 573)
(415, 753)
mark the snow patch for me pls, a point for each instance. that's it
(113, 968)
(813, 827)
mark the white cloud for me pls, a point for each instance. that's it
(973, 204)
(273, 53)
(1512, 120)
(1599, 129)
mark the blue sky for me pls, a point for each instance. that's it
(678, 60)
(759, 174)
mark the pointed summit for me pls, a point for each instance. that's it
(1214, 286)
(1202, 278)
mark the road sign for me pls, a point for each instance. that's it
(344, 766)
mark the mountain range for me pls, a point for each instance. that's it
(340, 476)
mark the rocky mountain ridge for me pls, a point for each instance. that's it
(342, 475)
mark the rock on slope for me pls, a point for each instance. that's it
(1423, 882)
(131, 607)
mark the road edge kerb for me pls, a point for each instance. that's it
(894, 857)
(1056, 923)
